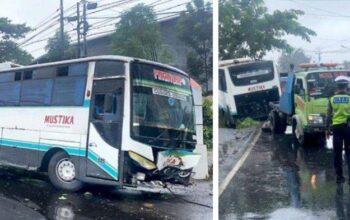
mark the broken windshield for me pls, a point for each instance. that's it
(161, 100)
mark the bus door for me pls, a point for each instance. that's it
(105, 129)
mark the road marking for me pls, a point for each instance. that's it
(238, 165)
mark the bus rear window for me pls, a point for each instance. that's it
(251, 73)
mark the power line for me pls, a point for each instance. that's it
(112, 5)
(111, 17)
(157, 13)
(45, 29)
(317, 8)
(104, 7)
(323, 15)
(41, 26)
(104, 23)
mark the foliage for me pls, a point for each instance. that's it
(55, 45)
(208, 122)
(295, 57)
(138, 35)
(247, 123)
(9, 50)
(247, 29)
(195, 28)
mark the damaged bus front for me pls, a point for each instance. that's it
(162, 125)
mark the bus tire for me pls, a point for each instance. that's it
(62, 172)
(229, 120)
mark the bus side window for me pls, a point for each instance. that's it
(222, 81)
(99, 106)
(105, 107)
(69, 85)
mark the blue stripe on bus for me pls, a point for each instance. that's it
(86, 103)
(42, 146)
(74, 151)
(105, 166)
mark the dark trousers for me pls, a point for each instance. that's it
(341, 135)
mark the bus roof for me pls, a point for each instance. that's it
(89, 59)
(223, 63)
(240, 61)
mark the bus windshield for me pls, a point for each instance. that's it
(321, 84)
(252, 73)
(162, 104)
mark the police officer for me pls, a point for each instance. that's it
(338, 114)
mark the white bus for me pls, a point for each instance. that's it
(104, 120)
(245, 88)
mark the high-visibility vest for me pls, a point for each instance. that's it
(341, 108)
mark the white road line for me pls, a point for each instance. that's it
(238, 165)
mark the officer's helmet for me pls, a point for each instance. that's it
(342, 82)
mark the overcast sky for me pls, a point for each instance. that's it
(33, 12)
(330, 19)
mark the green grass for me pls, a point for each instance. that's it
(247, 123)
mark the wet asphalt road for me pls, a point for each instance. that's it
(282, 181)
(28, 195)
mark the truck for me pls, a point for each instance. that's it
(304, 100)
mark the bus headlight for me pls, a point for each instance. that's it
(143, 162)
(315, 119)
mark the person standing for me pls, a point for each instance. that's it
(337, 120)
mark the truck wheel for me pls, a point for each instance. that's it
(278, 125)
(62, 172)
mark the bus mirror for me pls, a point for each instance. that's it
(88, 94)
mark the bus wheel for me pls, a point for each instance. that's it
(62, 172)
(230, 121)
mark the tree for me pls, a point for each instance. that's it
(138, 35)
(195, 28)
(9, 50)
(247, 29)
(295, 57)
(54, 48)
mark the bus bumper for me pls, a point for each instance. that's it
(172, 167)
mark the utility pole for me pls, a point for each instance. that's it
(78, 31)
(62, 27)
(82, 26)
(85, 28)
(319, 53)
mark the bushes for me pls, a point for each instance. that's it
(247, 123)
(208, 122)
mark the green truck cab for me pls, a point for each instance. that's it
(303, 103)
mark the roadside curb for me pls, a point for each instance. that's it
(240, 162)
